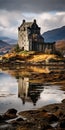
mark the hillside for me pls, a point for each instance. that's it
(8, 40)
(60, 45)
(4, 47)
(29, 58)
(3, 44)
(54, 35)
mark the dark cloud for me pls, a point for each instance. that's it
(12, 12)
(36, 6)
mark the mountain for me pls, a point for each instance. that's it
(3, 44)
(6, 44)
(54, 35)
(60, 44)
(4, 47)
(8, 40)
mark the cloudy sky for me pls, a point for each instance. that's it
(50, 14)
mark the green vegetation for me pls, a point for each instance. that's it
(17, 49)
(59, 53)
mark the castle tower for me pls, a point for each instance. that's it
(23, 32)
(29, 37)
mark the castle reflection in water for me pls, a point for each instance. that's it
(29, 92)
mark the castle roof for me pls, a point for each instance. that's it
(26, 24)
(32, 25)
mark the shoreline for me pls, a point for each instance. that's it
(31, 58)
(50, 117)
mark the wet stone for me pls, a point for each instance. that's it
(55, 108)
(20, 119)
(59, 113)
(6, 126)
(51, 118)
(11, 113)
(14, 123)
(62, 123)
(1, 119)
(63, 101)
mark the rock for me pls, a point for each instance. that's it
(56, 108)
(43, 110)
(20, 119)
(11, 113)
(44, 125)
(51, 118)
(59, 113)
(63, 101)
(14, 123)
(48, 127)
(1, 118)
(18, 122)
(27, 126)
(62, 123)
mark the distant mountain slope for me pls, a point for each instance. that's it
(54, 35)
(3, 44)
(60, 44)
(5, 47)
(8, 40)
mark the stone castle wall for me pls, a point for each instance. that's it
(30, 39)
(23, 39)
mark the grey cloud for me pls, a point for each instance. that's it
(36, 6)
(47, 21)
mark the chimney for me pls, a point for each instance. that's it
(35, 21)
(23, 21)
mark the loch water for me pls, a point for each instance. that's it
(28, 88)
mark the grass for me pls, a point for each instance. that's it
(30, 56)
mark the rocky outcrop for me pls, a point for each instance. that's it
(51, 117)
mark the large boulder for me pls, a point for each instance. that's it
(63, 101)
(62, 123)
(9, 114)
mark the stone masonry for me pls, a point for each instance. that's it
(30, 38)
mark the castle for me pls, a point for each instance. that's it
(30, 38)
(29, 92)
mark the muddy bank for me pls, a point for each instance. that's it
(51, 117)
(38, 74)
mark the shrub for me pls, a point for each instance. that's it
(17, 49)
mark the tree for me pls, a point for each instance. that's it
(17, 49)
